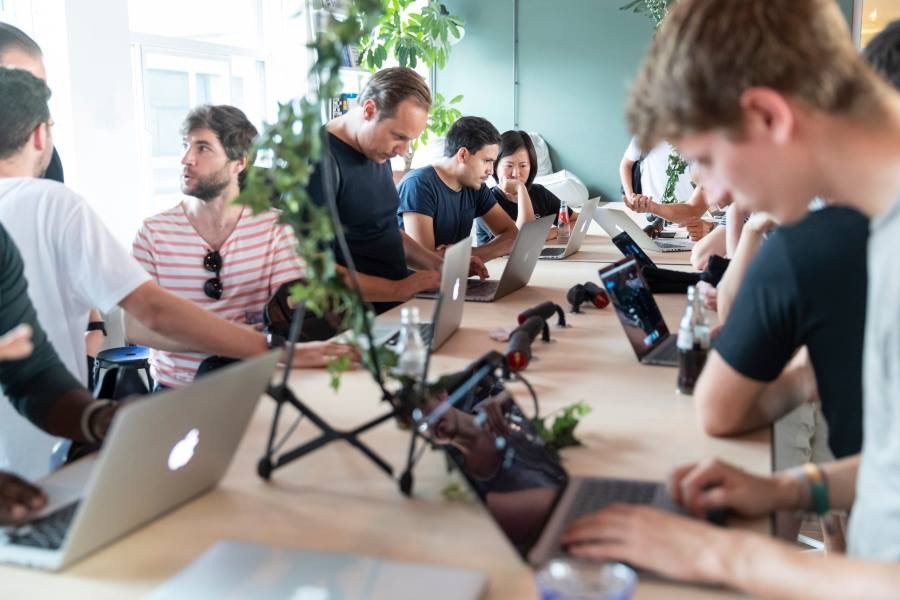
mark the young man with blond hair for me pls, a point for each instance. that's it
(783, 112)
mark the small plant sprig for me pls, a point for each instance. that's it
(674, 170)
(561, 433)
(293, 146)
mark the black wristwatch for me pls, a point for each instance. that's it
(97, 326)
(275, 340)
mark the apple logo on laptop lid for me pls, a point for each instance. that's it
(183, 451)
(456, 289)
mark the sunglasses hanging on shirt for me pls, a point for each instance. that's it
(212, 287)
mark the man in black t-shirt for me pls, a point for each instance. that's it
(805, 287)
(392, 111)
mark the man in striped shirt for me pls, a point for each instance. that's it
(214, 252)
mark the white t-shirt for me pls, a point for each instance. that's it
(72, 264)
(874, 530)
(653, 172)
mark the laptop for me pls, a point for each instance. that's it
(525, 489)
(639, 314)
(246, 571)
(614, 221)
(628, 247)
(162, 451)
(448, 310)
(576, 238)
(519, 266)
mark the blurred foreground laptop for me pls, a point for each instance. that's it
(576, 238)
(448, 310)
(519, 266)
(162, 451)
(243, 571)
(639, 314)
(614, 221)
(525, 489)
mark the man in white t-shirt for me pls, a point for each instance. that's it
(73, 264)
(212, 251)
(654, 165)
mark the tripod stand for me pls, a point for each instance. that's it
(283, 395)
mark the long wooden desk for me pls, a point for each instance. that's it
(336, 500)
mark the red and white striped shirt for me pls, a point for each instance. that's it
(257, 257)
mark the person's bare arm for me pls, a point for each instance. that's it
(420, 257)
(523, 204)
(625, 170)
(688, 549)
(749, 243)
(733, 228)
(730, 403)
(712, 243)
(678, 212)
(379, 289)
(504, 230)
(187, 325)
(420, 228)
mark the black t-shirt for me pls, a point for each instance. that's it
(367, 203)
(55, 169)
(543, 201)
(807, 286)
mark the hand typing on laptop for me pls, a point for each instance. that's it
(18, 499)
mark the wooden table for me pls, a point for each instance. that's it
(336, 500)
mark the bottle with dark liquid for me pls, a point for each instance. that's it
(693, 343)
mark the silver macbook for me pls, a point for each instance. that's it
(576, 238)
(519, 266)
(522, 485)
(639, 314)
(448, 310)
(243, 571)
(163, 450)
(614, 221)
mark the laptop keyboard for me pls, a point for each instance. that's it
(426, 330)
(48, 532)
(552, 252)
(595, 494)
(666, 354)
(480, 289)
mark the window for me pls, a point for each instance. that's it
(207, 56)
(870, 17)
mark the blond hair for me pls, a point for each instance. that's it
(708, 52)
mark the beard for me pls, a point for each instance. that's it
(207, 188)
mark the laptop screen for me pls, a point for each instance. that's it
(640, 316)
(629, 247)
(496, 447)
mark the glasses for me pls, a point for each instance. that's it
(212, 287)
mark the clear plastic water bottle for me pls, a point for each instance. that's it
(563, 228)
(411, 351)
(693, 343)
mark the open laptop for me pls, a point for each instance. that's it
(628, 247)
(525, 489)
(448, 310)
(614, 221)
(162, 451)
(576, 238)
(245, 571)
(519, 266)
(639, 314)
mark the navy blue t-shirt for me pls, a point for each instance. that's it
(807, 286)
(367, 204)
(452, 213)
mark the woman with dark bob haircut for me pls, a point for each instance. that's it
(516, 193)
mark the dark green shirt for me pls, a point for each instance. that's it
(32, 384)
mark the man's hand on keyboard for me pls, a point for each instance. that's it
(18, 498)
(477, 268)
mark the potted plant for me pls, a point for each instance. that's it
(416, 38)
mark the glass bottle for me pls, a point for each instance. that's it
(693, 343)
(563, 228)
